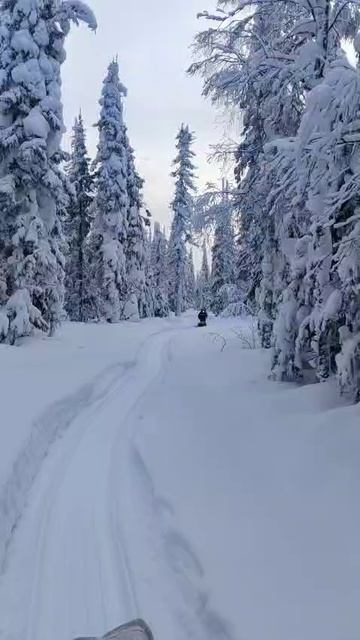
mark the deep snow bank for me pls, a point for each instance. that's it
(259, 483)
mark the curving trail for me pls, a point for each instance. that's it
(67, 572)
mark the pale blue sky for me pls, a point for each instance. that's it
(152, 40)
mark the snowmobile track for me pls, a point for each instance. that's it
(65, 499)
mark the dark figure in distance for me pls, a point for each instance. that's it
(202, 318)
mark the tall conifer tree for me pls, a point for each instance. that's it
(33, 189)
(112, 201)
(182, 207)
(78, 227)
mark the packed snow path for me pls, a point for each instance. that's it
(70, 573)
(190, 490)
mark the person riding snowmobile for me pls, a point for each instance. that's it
(202, 318)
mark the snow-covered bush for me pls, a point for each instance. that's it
(248, 334)
(236, 310)
(348, 362)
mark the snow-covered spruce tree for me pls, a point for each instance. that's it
(310, 169)
(239, 70)
(293, 306)
(33, 189)
(135, 243)
(260, 116)
(159, 272)
(320, 170)
(348, 321)
(203, 286)
(149, 300)
(109, 233)
(78, 227)
(223, 253)
(214, 214)
(328, 151)
(242, 63)
(274, 111)
(306, 338)
(190, 280)
(182, 206)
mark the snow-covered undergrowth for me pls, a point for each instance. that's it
(44, 385)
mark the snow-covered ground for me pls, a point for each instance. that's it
(152, 469)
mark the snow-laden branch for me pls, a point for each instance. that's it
(76, 11)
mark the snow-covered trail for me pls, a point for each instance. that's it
(67, 572)
(190, 490)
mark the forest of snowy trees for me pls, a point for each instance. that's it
(280, 241)
(282, 65)
(76, 239)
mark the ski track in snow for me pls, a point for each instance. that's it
(51, 425)
(95, 545)
(69, 542)
(175, 572)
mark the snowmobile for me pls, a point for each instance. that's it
(134, 630)
(202, 318)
